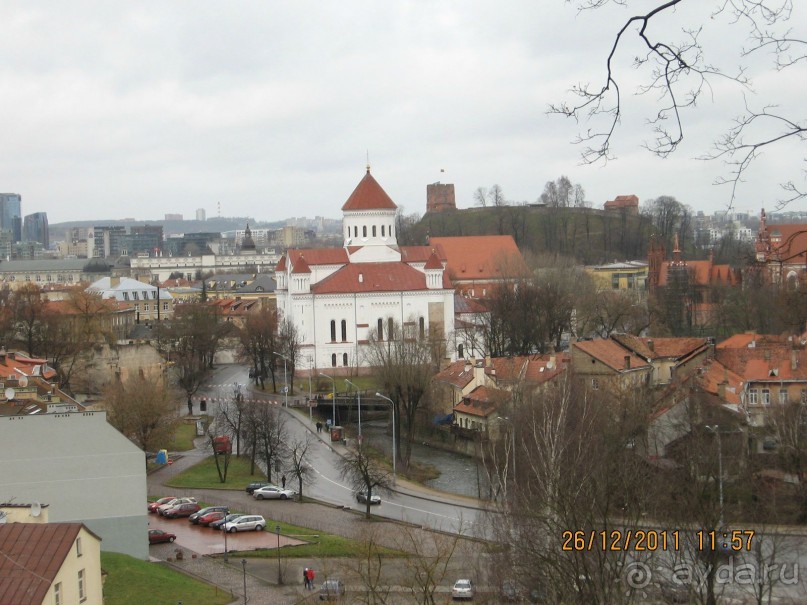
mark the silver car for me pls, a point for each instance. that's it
(246, 523)
(331, 590)
(273, 492)
(462, 589)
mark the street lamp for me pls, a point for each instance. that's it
(244, 565)
(333, 399)
(394, 476)
(715, 428)
(225, 541)
(358, 396)
(512, 440)
(285, 377)
(279, 578)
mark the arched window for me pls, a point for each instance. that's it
(380, 329)
(344, 359)
(382, 230)
(333, 330)
(461, 351)
(344, 330)
(389, 328)
(364, 231)
(355, 232)
(333, 360)
(422, 326)
(373, 230)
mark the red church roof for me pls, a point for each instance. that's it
(369, 195)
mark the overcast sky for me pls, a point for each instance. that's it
(115, 110)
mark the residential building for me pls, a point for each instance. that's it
(84, 469)
(106, 241)
(35, 229)
(50, 564)
(148, 302)
(628, 276)
(51, 273)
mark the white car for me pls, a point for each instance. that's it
(245, 523)
(273, 492)
(361, 497)
(462, 589)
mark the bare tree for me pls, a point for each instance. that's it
(144, 410)
(680, 71)
(365, 471)
(258, 341)
(298, 461)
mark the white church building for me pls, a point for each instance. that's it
(336, 297)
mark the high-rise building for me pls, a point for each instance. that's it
(201, 215)
(11, 214)
(35, 228)
(104, 242)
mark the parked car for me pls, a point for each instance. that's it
(205, 520)
(152, 506)
(462, 589)
(362, 498)
(194, 518)
(158, 536)
(217, 524)
(331, 590)
(273, 492)
(185, 509)
(175, 502)
(255, 485)
(246, 523)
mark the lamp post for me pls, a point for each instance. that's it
(244, 565)
(392, 403)
(512, 440)
(279, 577)
(715, 428)
(333, 399)
(225, 541)
(358, 399)
(285, 377)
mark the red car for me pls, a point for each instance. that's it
(208, 518)
(152, 507)
(183, 509)
(158, 536)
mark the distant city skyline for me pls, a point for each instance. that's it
(266, 109)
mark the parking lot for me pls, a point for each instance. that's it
(206, 541)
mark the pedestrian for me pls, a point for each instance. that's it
(311, 578)
(305, 577)
(283, 481)
(319, 427)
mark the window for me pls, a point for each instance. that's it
(165, 306)
(38, 277)
(380, 329)
(125, 296)
(382, 230)
(753, 397)
(389, 328)
(373, 230)
(82, 594)
(783, 396)
(355, 232)
(145, 295)
(333, 330)
(344, 359)
(49, 277)
(461, 351)
(333, 360)
(135, 296)
(57, 594)
(344, 331)
(422, 327)
(364, 231)
(766, 396)
(78, 547)
(595, 384)
(27, 278)
(146, 308)
(137, 307)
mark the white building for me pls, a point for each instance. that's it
(335, 297)
(147, 301)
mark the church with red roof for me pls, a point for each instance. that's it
(337, 298)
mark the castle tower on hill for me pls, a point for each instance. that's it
(440, 197)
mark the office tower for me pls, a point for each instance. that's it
(11, 214)
(35, 228)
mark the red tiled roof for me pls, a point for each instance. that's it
(623, 201)
(33, 553)
(374, 277)
(281, 264)
(317, 256)
(419, 254)
(300, 265)
(715, 374)
(458, 374)
(789, 243)
(662, 347)
(463, 304)
(368, 195)
(433, 262)
(482, 402)
(480, 257)
(703, 273)
(539, 372)
(611, 353)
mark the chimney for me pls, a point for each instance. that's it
(651, 345)
(627, 362)
(794, 359)
(721, 390)
(487, 361)
(114, 282)
(361, 278)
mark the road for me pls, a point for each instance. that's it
(408, 502)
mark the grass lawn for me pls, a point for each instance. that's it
(204, 475)
(127, 577)
(184, 436)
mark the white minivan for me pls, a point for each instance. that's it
(246, 523)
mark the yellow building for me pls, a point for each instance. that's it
(629, 275)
